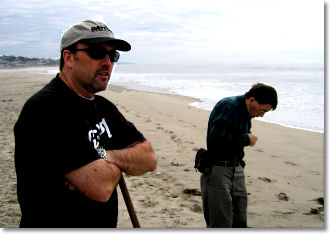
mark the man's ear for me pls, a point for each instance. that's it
(251, 100)
(68, 58)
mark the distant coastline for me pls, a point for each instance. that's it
(11, 61)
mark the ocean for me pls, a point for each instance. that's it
(300, 87)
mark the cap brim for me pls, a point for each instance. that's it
(117, 43)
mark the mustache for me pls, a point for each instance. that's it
(104, 68)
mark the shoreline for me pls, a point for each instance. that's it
(49, 70)
(197, 100)
(285, 160)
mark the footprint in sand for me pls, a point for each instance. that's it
(197, 208)
(148, 203)
(282, 196)
(291, 163)
(258, 150)
(148, 120)
(161, 128)
(265, 179)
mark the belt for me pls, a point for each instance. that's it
(226, 164)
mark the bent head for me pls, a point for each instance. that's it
(256, 109)
(260, 99)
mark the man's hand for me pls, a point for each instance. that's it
(253, 139)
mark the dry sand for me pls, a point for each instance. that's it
(284, 171)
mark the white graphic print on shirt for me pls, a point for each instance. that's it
(94, 135)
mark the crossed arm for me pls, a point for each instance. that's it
(98, 179)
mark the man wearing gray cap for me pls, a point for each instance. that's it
(72, 145)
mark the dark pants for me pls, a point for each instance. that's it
(224, 197)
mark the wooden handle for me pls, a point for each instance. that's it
(128, 202)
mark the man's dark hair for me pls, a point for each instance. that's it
(264, 94)
(70, 48)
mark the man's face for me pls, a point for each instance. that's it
(257, 110)
(91, 75)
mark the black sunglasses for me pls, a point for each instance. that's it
(100, 53)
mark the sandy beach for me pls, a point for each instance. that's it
(284, 171)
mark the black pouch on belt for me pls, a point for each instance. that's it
(203, 161)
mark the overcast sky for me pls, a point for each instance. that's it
(174, 31)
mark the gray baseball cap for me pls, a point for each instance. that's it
(91, 32)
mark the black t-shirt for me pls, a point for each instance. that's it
(59, 131)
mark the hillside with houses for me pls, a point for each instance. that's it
(7, 61)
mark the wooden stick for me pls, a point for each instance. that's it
(128, 202)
